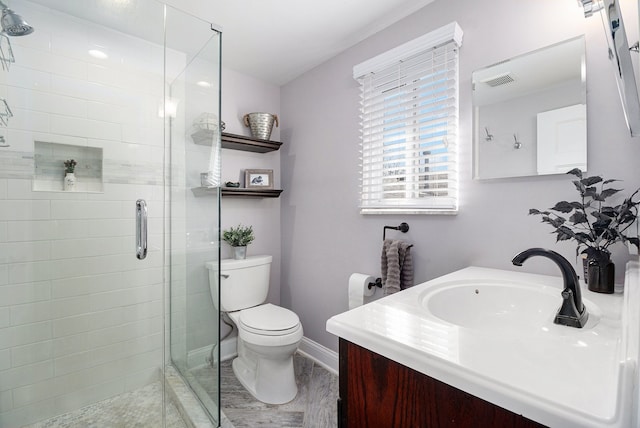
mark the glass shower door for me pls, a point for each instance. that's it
(194, 94)
(83, 320)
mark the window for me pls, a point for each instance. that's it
(409, 126)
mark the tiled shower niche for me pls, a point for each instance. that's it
(50, 170)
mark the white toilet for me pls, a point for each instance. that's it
(268, 335)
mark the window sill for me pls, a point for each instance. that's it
(407, 211)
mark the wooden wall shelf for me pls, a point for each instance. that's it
(205, 137)
(236, 142)
(248, 144)
(251, 193)
(238, 192)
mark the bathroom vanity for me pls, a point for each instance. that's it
(377, 391)
(478, 347)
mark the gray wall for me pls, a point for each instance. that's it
(242, 94)
(325, 239)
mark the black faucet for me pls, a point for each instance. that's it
(572, 312)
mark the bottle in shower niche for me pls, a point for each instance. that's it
(70, 177)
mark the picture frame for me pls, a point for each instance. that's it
(258, 178)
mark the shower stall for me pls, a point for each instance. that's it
(109, 114)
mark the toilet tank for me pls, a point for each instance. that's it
(243, 283)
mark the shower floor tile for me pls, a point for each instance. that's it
(136, 409)
(313, 407)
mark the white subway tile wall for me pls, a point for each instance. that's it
(81, 319)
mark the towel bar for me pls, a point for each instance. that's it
(404, 228)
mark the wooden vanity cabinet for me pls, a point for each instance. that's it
(378, 392)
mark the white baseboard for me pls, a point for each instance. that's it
(320, 354)
(310, 349)
(198, 357)
(229, 348)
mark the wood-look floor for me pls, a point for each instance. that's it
(313, 407)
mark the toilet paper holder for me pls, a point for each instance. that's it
(378, 284)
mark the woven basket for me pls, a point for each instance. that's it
(260, 124)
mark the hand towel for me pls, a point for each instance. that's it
(406, 262)
(396, 266)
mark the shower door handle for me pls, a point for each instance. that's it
(141, 229)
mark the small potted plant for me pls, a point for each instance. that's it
(239, 237)
(594, 225)
(70, 166)
(69, 178)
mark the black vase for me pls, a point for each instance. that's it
(601, 272)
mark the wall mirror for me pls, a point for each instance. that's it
(530, 114)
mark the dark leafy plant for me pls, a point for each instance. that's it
(240, 236)
(589, 221)
(70, 166)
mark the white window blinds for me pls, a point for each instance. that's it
(409, 126)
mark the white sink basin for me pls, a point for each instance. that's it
(498, 305)
(491, 333)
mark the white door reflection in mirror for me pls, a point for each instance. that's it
(561, 136)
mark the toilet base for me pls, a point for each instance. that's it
(271, 381)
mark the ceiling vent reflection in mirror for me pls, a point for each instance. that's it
(499, 80)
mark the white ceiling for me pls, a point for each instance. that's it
(279, 40)
(273, 40)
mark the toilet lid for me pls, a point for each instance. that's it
(269, 319)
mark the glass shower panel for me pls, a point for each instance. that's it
(192, 110)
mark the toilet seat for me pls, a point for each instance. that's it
(279, 317)
(269, 320)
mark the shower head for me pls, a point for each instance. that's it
(12, 23)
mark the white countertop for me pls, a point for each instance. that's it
(558, 376)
